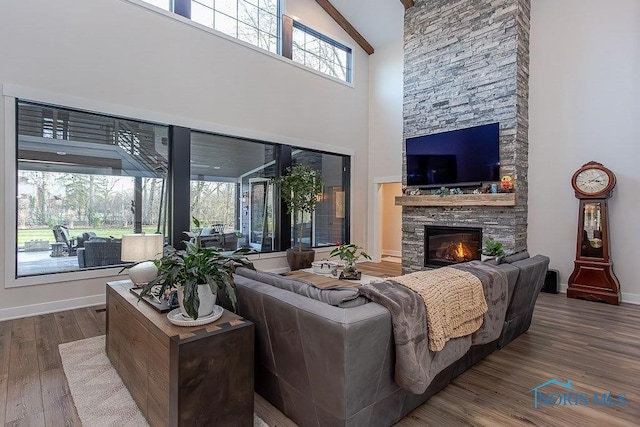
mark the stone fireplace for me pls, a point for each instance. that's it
(451, 245)
(467, 64)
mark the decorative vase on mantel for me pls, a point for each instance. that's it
(207, 301)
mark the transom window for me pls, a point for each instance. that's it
(254, 21)
(262, 24)
(321, 53)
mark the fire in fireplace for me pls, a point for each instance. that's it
(451, 245)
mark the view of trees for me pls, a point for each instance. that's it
(245, 19)
(214, 203)
(319, 55)
(76, 200)
(46, 199)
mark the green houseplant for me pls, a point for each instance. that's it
(349, 254)
(492, 248)
(300, 188)
(195, 271)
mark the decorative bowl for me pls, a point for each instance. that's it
(324, 266)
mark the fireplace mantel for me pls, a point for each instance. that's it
(499, 199)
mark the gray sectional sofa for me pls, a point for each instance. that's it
(328, 360)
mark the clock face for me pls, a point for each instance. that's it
(592, 181)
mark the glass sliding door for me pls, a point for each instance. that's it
(261, 214)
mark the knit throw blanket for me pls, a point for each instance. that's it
(454, 301)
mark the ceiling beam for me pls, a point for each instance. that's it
(407, 3)
(342, 21)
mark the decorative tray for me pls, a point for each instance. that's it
(162, 305)
(177, 318)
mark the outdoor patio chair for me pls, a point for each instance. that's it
(61, 234)
(99, 252)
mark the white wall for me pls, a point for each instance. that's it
(386, 83)
(584, 105)
(122, 58)
(385, 110)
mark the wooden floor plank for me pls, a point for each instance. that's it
(57, 401)
(596, 346)
(24, 395)
(5, 355)
(68, 328)
(266, 411)
(56, 398)
(88, 322)
(47, 340)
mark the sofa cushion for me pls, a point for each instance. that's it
(344, 298)
(512, 277)
(518, 256)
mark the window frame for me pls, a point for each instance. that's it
(12, 94)
(183, 9)
(285, 30)
(28, 102)
(324, 38)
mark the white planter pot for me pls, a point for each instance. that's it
(484, 257)
(207, 301)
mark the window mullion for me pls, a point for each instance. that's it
(182, 8)
(287, 37)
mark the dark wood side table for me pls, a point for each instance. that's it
(181, 376)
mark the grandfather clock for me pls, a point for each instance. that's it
(593, 277)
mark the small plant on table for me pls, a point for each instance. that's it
(349, 254)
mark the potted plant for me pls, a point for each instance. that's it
(349, 254)
(197, 273)
(300, 188)
(492, 249)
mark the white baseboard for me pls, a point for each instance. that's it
(624, 297)
(50, 307)
(631, 298)
(388, 252)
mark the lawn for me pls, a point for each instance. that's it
(47, 233)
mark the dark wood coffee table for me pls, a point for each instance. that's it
(181, 376)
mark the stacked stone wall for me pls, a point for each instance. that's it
(466, 63)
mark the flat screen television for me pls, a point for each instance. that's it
(462, 158)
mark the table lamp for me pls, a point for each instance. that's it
(142, 248)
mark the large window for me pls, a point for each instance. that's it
(327, 225)
(231, 191)
(321, 53)
(84, 180)
(254, 21)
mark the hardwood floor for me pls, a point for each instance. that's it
(596, 346)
